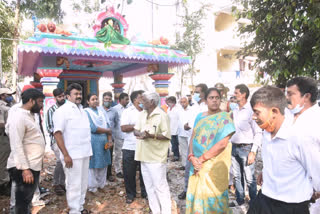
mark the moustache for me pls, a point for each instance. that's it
(289, 102)
(79, 99)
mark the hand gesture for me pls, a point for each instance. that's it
(27, 176)
(186, 127)
(68, 161)
(196, 163)
(251, 158)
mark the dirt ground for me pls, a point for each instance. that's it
(111, 200)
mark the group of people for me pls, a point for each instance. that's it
(216, 141)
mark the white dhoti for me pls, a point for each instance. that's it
(77, 184)
(155, 180)
(183, 149)
(118, 143)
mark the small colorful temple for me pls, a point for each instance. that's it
(57, 58)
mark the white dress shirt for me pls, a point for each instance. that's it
(26, 141)
(74, 124)
(184, 117)
(173, 114)
(307, 135)
(129, 116)
(287, 162)
(247, 130)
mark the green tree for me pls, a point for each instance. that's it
(20, 10)
(190, 41)
(286, 37)
(6, 31)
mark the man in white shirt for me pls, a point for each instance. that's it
(198, 96)
(27, 149)
(58, 174)
(118, 134)
(128, 120)
(73, 136)
(302, 93)
(184, 131)
(184, 137)
(245, 143)
(173, 113)
(290, 165)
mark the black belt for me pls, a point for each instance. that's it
(242, 144)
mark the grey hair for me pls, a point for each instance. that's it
(152, 96)
(184, 97)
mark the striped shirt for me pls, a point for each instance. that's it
(49, 122)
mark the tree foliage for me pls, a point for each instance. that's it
(286, 36)
(190, 41)
(6, 31)
(42, 9)
(11, 17)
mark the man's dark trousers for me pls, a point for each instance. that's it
(24, 192)
(129, 174)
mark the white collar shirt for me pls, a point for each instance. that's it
(173, 114)
(26, 141)
(74, 125)
(307, 137)
(285, 165)
(129, 116)
(184, 118)
(11, 116)
(247, 130)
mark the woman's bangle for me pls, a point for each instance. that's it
(190, 156)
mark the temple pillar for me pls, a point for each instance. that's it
(117, 85)
(49, 80)
(161, 78)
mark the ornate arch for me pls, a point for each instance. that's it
(110, 13)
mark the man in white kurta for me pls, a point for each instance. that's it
(73, 136)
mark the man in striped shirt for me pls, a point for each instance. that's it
(58, 176)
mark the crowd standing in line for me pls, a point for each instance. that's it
(215, 140)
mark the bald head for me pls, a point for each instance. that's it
(184, 102)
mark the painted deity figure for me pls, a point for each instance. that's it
(109, 35)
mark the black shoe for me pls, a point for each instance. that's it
(235, 204)
(174, 159)
(119, 175)
(111, 178)
(182, 168)
(182, 195)
(144, 195)
(129, 200)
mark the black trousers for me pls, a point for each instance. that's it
(129, 174)
(109, 170)
(265, 205)
(24, 192)
(175, 145)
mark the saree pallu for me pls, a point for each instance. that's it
(208, 189)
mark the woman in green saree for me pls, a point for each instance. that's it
(210, 155)
(109, 35)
